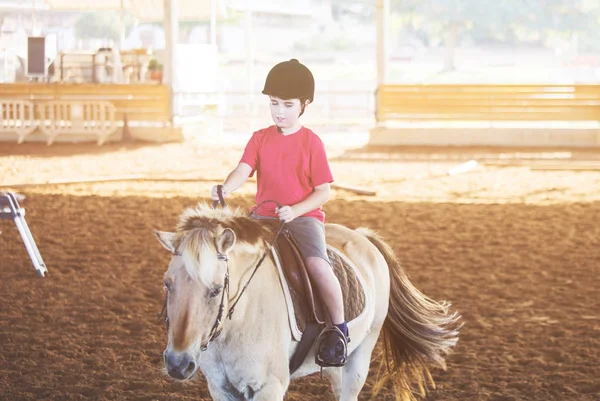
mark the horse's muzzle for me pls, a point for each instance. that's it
(179, 366)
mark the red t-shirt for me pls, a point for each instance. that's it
(288, 168)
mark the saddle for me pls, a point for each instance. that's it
(306, 301)
(307, 315)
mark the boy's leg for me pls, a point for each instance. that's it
(310, 236)
(332, 347)
(329, 288)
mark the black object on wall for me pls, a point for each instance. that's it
(36, 56)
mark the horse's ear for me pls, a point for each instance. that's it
(167, 240)
(225, 241)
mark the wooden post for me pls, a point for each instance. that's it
(383, 8)
(171, 26)
(213, 22)
(122, 29)
(249, 43)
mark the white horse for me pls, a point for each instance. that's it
(215, 253)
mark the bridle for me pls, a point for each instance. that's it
(216, 329)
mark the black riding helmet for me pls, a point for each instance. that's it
(290, 80)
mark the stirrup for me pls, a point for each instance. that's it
(332, 348)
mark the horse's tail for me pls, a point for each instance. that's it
(417, 330)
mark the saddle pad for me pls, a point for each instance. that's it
(353, 292)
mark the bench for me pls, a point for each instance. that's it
(139, 102)
(103, 107)
(488, 103)
(487, 115)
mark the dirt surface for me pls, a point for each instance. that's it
(515, 248)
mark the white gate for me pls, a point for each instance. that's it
(85, 117)
(17, 117)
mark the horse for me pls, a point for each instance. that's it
(220, 260)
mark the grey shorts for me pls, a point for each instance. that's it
(309, 234)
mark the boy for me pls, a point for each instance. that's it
(292, 169)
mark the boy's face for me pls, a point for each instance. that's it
(285, 112)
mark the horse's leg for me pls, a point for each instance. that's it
(335, 378)
(271, 391)
(355, 372)
(216, 392)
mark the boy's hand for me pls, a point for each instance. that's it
(286, 213)
(214, 194)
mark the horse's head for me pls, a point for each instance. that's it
(196, 283)
(195, 293)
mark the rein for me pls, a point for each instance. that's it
(215, 331)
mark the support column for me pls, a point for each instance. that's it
(171, 27)
(383, 9)
(122, 28)
(33, 20)
(249, 39)
(213, 22)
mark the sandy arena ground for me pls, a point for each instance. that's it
(514, 244)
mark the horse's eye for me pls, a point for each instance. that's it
(215, 291)
(168, 286)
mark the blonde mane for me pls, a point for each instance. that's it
(198, 228)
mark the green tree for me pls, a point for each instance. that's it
(498, 21)
(101, 25)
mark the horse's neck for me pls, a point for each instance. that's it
(262, 289)
(259, 321)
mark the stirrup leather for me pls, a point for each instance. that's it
(332, 348)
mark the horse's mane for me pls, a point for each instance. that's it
(203, 221)
(199, 226)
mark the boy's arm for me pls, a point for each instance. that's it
(236, 178)
(318, 198)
